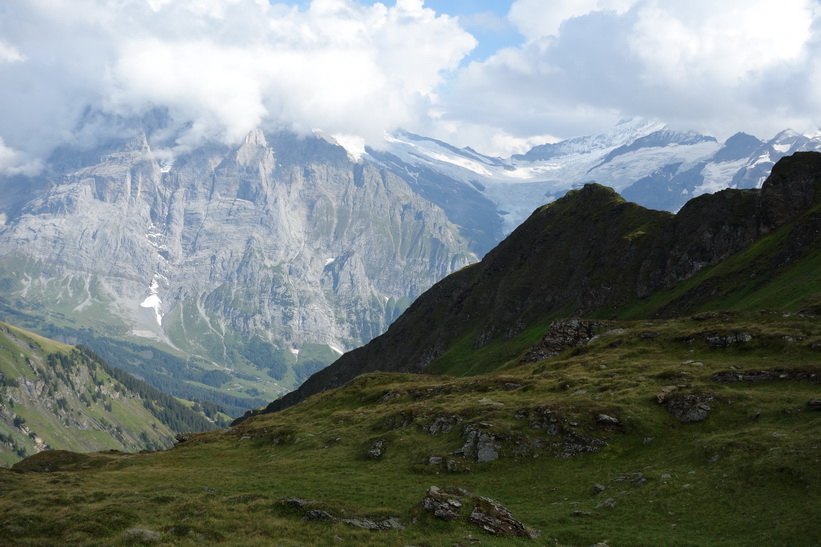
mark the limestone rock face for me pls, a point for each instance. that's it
(283, 238)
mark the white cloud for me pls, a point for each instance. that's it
(720, 67)
(9, 54)
(14, 162)
(537, 18)
(223, 66)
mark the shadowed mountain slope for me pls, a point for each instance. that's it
(585, 253)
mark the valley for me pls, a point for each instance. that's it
(230, 274)
(671, 397)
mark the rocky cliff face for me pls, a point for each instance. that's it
(584, 252)
(283, 240)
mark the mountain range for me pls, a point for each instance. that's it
(607, 375)
(256, 265)
(591, 252)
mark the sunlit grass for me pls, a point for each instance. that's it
(748, 474)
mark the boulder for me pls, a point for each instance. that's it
(377, 449)
(391, 523)
(479, 445)
(318, 515)
(666, 390)
(443, 423)
(605, 419)
(494, 518)
(690, 407)
(443, 505)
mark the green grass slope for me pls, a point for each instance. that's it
(55, 396)
(779, 271)
(166, 368)
(577, 446)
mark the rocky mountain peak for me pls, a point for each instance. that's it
(282, 238)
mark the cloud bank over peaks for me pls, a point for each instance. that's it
(220, 67)
(717, 67)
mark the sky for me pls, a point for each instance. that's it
(499, 76)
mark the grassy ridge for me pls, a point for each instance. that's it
(746, 474)
(53, 395)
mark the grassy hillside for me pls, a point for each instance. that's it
(577, 446)
(55, 396)
(779, 271)
(167, 369)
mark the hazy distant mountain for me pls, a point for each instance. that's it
(645, 161)
(271, 258)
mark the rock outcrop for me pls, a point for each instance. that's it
(486, 513)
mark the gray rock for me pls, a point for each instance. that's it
(479, 445)
(598, 489)
(443, 505)
(443, 424)
(637, 478)
(720, 340)
(665, 391)
(688, 407)
(318, 515)
(377, 449)
(609, 502)
(496, 519)
(814, 404)
(298, 503)
(564, 334)
(574, 444)
(605, 419)
(391, 523)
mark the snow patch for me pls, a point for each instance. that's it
(460, 162)
(336, 349)
(354, 146)
(329, 261)
(717, 176)
(153, 300)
